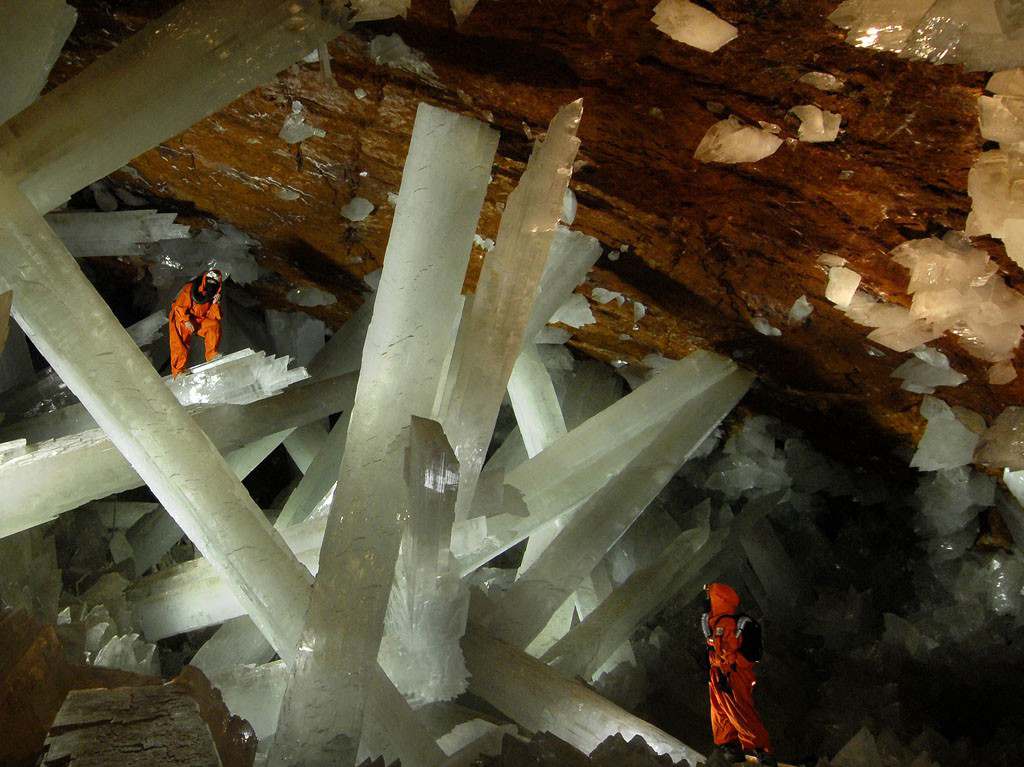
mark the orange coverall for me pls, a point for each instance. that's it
(733, 716)
(204, 318)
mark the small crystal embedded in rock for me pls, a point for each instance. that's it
(800, 310)
(730, 141)
(295, 129)
(817, 125)
(689, 23)
(947, 442)
(842, 284)
(823, 81)
(927, 369)
(357, 209)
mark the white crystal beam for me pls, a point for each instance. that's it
(527, 606)
(417, 303)
(534, 401)
(180, 68)
(590, 643)
(54, 477)
(89, 234)
(31, 39)
(542, 700)
(78, 334)
(503, 303)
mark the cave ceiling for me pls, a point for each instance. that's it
(706, 248)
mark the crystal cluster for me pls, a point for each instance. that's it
(997, 177)
(817, 125)
(956, 288)
(975, 33)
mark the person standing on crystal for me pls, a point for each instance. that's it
(196, 310)
(734, 646)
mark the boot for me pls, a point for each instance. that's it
(766, 759)
(732, 752)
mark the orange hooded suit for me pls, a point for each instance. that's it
(733, 716)
(195, 310)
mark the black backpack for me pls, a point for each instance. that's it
(752, 646)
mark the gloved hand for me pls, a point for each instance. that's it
(190, 327)
(723, 682)
(216, 299)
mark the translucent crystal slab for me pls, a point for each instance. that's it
(502, 306)
(817, 125)
(540, 589)
(177, 70)
(237, 379)
(59, 475)
(123, 233)
(296, 334)
(427, 609)
(588, 645)
(947, 441)
(541, 700)
(416, 305)
(689, 23)
(730, 141)
(30, 42)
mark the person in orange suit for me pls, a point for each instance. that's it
(735, 724)
(196, 310)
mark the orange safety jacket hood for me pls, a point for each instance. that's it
(724, 600)
(200, 292)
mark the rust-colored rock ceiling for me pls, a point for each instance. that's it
(707, 247)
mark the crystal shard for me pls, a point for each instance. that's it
(947, 443)
(688, 23)
(417, 303)
(124, 233)
(817, 125)
(730, 141)
(427, 609)
(492, 336)
(927, 369)
(1002, 444)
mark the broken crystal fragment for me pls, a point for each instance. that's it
(927, 369)
(800, 310)
(311, 296)
(569, 207)
(236, 379)
(823, 81)
(730, 141)
(125, 233)
(575, 312)
(357, 209)
(842, 284)
(947, 443)
(689, 23)
(603, 296)
(1002, 119)
(427, 609)
(765, 328)
(1002, 444)
(295, 129)
(1009, 82)
(817, 125)
(391, 50)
